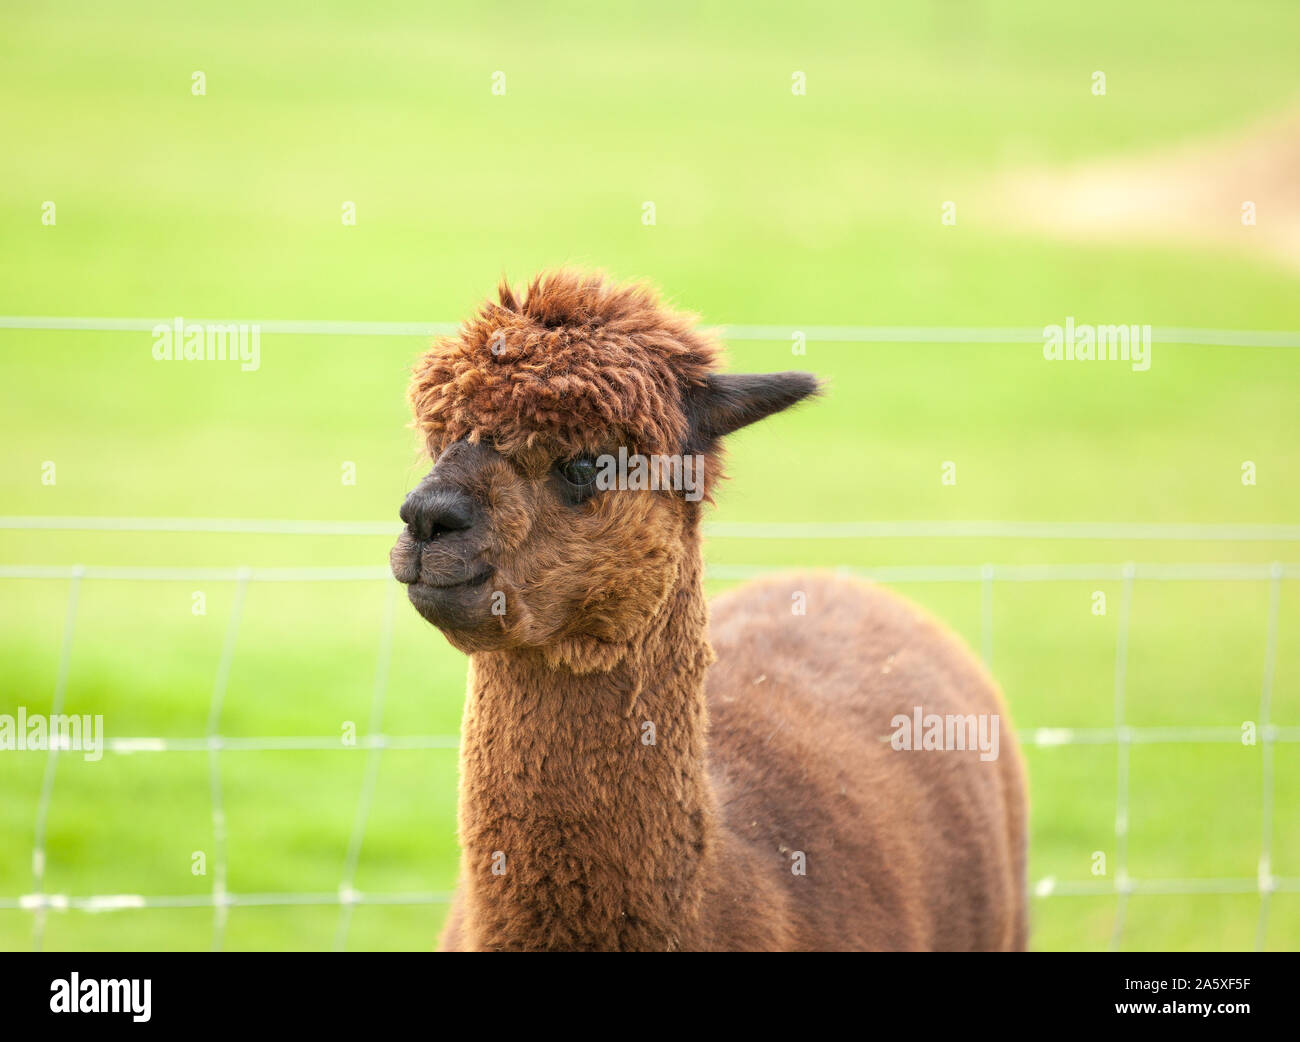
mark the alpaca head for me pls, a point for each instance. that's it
(574, 430)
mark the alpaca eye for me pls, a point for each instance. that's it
(580, 472)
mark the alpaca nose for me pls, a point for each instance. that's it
(430, 513)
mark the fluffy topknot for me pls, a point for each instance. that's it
(576, 364)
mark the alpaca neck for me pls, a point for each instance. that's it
(586, 816)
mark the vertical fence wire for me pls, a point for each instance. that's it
(52, 760)
(1123, 744)
(347, 893)
(220, 902)
(1266, 736)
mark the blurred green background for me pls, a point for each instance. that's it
(771, 208)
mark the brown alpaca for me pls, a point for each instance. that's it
(639, 772)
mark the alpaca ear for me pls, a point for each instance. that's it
(729, 401)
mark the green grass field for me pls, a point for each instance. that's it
(771, 209)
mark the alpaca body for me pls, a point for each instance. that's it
(629, 782)
(617, 844)
(920, 849)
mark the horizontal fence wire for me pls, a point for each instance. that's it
(1015, 573)
(1043, 888)
(827, 334)
(1047, 530)
(1121, 735)
(1038, 737)
(122, 902)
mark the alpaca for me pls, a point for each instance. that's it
(639, 771)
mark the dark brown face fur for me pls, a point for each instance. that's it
(505, 552)
(500, 551)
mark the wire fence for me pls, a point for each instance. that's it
(993, 335)
(1122, 735)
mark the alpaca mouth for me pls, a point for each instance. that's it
(477, 579)
(453, 607)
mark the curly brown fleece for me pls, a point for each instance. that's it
(574, 364)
